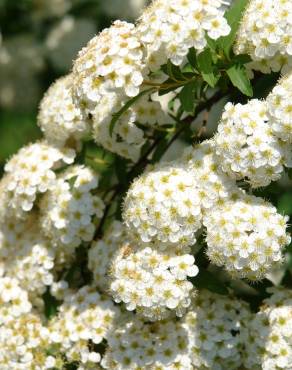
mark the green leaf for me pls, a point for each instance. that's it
(118, 115)
(233, 16)
(206, 280)
(238, 77)
(192, 58)
(290, 173)
(285, 204)
(206, 67)
(187, 97)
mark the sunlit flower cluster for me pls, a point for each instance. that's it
(30, 173)
(152, 282)
(59, 118)
(246, 236)
(69, 208)
(163, 207)
(169, 28)
(246, 145)
(269, 333)
(84, 316)
(280, 109)
(266, 35)
(214, 326)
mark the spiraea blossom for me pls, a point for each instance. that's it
(162, 206)
(247, 236)
(169, 28)
(266, 35)
(268, 338)
(59, 118)
(112, 62)
(153, 283)
(214, 326)
(101, 253)
(24, 344)
(84, 317)
(127, 138)
(213, 185)
(31, 172)
(134, 344)
(14, 301)
(247, 147)
(27, 256)
(69, 208)
(280, 109)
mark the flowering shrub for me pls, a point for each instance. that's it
(113, 256)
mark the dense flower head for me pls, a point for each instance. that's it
(24, 345)
(13, 300)
(214, 327)
(59, 118)
(134, 345)
(280, 109)
(213, 185)
(69, 208)
(269, 333)
(162, 206)
(169, 28)
(246, 146)
(152, 282)
(127, 138)
(266, 35)
(246, 235)
(101, 253)
(85, 316)
(112, 62)
(27, 256)
(31, 172)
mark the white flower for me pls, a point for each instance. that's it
(59, 118)
(154, 283)
(246, 235)
(246, 146)
(266, 35)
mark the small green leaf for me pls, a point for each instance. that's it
(233, 16)
(187, 97)
(206, 67)
(72, 181)
(238, 77)
(206, 280)
(118, 115)
(192, 58)
(290, 173)
(285, 204)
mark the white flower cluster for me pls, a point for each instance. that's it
(111, 63)
(69, 207)
(266, 35)
(59, 118)
(163, 208)
(152, 282)
(269, 333)
(246, 145)
(13, 300)
(84, 316)
(280, 109)
(26, 255)
(101, 254)
(169, 28)
(24, 345)
(29, 173)
(214, 328)
(208, 337)
(213, 185)
(126, 138)
(246, 236)
(135, 345)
